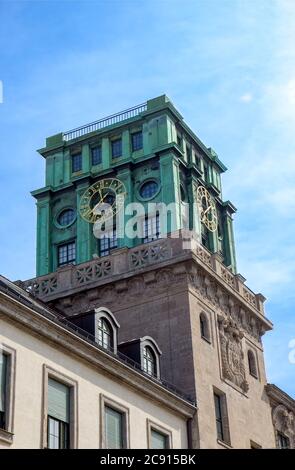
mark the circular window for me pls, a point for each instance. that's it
(66, 217)
(149, 189)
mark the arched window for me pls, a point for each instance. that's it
(149, 361)
(105, 336)
(252, 364)
(204, 327)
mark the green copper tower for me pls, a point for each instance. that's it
(158, 158)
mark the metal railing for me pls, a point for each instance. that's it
(105, 122)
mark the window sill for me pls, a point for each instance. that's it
(224, 444)
(6, 436)
(206, 339)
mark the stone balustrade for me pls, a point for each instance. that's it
(123, 261)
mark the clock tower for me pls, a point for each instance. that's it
(176, 283)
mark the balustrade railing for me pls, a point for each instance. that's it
(105, 122)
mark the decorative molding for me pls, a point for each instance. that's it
(232, 355)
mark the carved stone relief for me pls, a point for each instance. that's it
(232, 356)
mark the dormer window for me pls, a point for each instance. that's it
(149, 361)
(150, 357)
(106, 329)
(105, 334)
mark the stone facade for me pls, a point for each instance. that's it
(283, 416)
(39, 345)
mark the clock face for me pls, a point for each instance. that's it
(207, 209)
(102, 200)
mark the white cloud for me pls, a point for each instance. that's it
(246, 98)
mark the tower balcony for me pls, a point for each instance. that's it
(178, 251)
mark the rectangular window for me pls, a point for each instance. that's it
(66, 253)
(159, 440)
(283, 441)
(218, 413)
(206, 174)
(151, 228)
(96, 155)
(222, 425)
(136, 141)
(113, 429)
(117, 148)
(76, 162)
(108, 242)
(3, 389)
(179, 140)
(58, 415)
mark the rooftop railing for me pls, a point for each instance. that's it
(105, 122)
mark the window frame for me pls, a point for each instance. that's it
(73, 386)
(150, 342)
(103, 312)
(252, 363)
(206, 335)
(6, 434)
(73, 157)
(145, 226)
(152, 426)
(136, 134)
(107, 241)
(92, 148)
(280, 436)
(120, 408)
(60, 245)
(224, 419)
(115, 141)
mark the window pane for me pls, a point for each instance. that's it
(66, 217)
(58, 401)
(3, 385)
(76, 162)
(108, 242)
(96, 155)
(158, 440)
(149, 189)
(67, 253)
(113, 428)
(136, 141)
(116, 148)
(104, 334)
(218, 413)
(151, 228)
(58, 434)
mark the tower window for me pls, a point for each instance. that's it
(136, 141)
(149, 361)
(252, 364)
(205, 236)
(218, 414)
(117, 148)
(204, 327)
(108, 242)
(66, 217)
(148, 189)
(222, 426)
(283, 441)
(104, 333)
(76, 162)
(151, 228)
(66, 253)
(96, 155)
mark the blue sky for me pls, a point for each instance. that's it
(228, 66)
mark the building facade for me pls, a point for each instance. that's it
(169, 300)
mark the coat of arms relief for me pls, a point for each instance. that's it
(232, 356)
